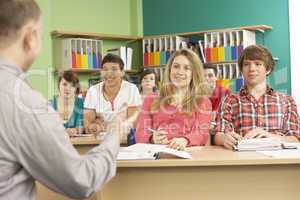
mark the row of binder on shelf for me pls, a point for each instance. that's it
(229, 76)
(78, 53)
(228, 45)
(233, 84)
(125, 54)
(157, 51)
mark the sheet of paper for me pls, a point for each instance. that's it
(284, 153)
(155, 148)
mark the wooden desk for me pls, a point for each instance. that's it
(214, 173)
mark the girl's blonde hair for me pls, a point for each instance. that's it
(197, 89)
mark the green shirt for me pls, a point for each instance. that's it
(76, 119)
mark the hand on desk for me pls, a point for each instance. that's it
(160, 137)
(231, 139)
(259, 133)
(72, 132)
(178, 143)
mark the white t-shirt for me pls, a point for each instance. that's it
(128, 96)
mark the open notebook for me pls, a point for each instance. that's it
(264, 144)
(149, 152)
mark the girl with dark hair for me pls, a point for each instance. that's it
(68, 104)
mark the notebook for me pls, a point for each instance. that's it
(258, 144)
(149, 152)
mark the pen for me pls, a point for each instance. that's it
(152, 130)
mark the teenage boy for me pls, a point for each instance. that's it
(257, 111)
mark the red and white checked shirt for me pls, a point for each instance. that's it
(273, 111)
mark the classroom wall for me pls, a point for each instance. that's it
(104, 16)
(171, 16)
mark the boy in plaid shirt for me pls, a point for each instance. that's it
(257, 111)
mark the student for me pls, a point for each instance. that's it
(218, 92)
(257, 111)
(148, 83)
(180, 115)
(106, 99)
(67, 103)
(33, 142)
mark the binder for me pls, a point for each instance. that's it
(207, 47)
(73, 49)
(151, 52)
(168, 48)
(95, 51)
(78, 53)
(220, 46)
(145, 52)
(239, 83)
(162, 51)
(129, 52)
(156, 51)
(202, 55)
(214, 51)
(99, 53)
(227, 46)
(89, 51)
(233, 44)
(84, 60)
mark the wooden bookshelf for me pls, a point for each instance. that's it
(261, 28)
(92, 71)
(102, 36)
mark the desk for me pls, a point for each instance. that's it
(213, 174)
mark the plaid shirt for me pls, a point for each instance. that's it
(274, 112)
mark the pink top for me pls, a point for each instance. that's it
(194, 128)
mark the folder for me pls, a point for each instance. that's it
(233, 44)
(151, 52)
(239, 83)
(156, 51)
(146, 49)
(207, 47)
(162, 51)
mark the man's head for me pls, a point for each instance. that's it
(256, 63)
(21, 31)
(210, 74)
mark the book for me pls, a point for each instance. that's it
(259, 144)
(149, 152)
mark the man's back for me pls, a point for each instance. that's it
(34, 146)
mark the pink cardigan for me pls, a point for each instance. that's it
(194, 128)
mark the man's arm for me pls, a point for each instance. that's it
(43, 148)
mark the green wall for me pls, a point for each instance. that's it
(103, 16)
(171, 16)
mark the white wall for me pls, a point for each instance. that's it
(294, 24)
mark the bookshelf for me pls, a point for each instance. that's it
(218, 47)
(86, 43)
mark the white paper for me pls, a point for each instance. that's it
(284, 153)
(147, 150)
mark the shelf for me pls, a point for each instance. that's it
(92, 71)
(65, 34)
(260, 28)
(222, 62)
(154, 66)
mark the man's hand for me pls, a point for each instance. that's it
(116, 127)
